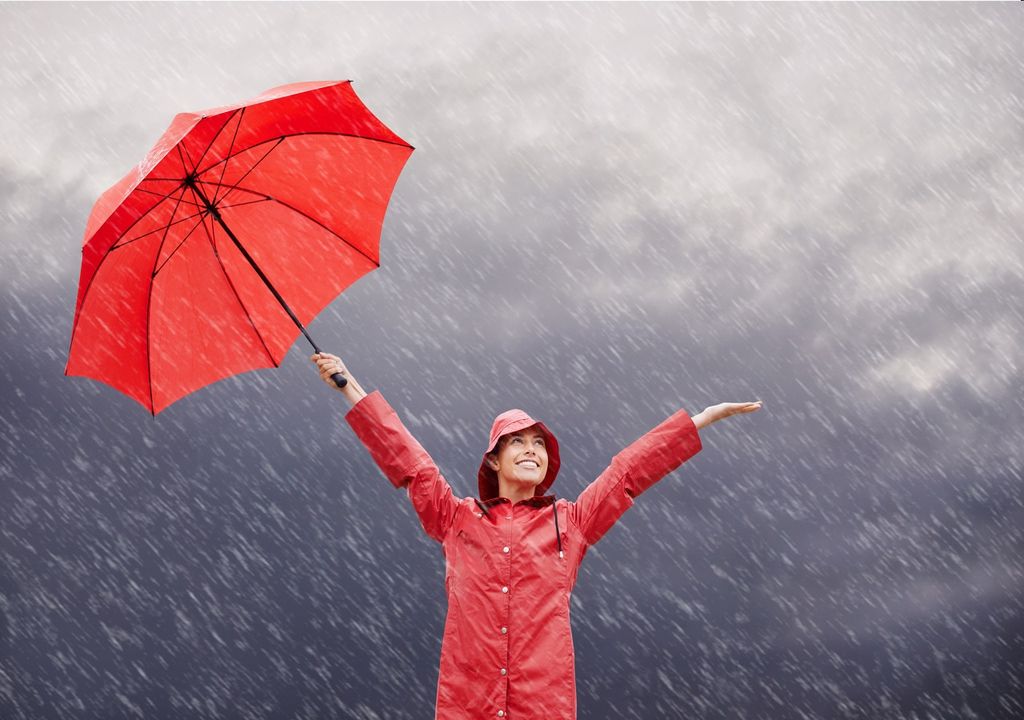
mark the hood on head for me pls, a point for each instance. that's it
(512, 421)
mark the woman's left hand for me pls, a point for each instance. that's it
(714, 413)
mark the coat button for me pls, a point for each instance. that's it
(505, 589)
(504, 671)
(504, 631)
(505, 549)
(501, 713)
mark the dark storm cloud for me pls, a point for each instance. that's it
(613, 211)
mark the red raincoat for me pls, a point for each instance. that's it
(507, 649)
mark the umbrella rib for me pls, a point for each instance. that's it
(142, 216)
(313, 219)
(300, 212)
(164, 196)
(213, 246)
(240, 204)
(185, 169)
(214, 138)
(154, 192)
(244, 176)
(151, 232)
(156, 270)
(149, 303)
(241, 114)
(209, 236)
(85, 293)
(279, 138)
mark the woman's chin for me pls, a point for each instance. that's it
(532, 479)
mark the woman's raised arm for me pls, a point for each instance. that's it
(395, 451)
(643, 463)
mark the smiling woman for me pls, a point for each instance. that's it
(520, 461)
(513, 553)
(532, 446)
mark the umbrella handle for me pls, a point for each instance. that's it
(339, 380)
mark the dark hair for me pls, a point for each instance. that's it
(502, 441)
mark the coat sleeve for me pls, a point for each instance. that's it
(633, 470)
(404, 461)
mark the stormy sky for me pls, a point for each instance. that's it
(613, 211)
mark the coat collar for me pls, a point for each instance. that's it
(535, 501)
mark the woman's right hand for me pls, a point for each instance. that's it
(328, 364)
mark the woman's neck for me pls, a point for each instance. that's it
(515, 491)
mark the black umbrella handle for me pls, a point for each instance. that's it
(339, 379)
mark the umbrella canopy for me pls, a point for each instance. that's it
(237, 228)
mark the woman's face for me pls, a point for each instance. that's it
(522, 457)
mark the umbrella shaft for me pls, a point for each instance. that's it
(216, 216)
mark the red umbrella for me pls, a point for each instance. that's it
(237, 229)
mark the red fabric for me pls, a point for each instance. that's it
(513, 547)
(166, 302)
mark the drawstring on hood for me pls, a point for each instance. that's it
(508, 422)
(558, 535)
(554, 508)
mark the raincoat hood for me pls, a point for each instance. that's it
(512, 421)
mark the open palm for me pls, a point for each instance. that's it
(714, 413)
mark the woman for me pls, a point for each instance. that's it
(513, 553)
